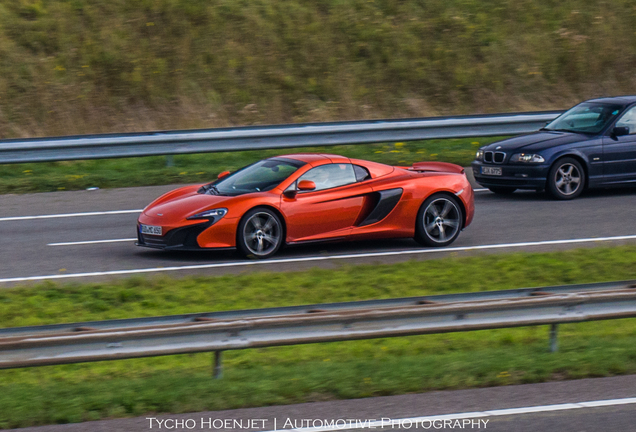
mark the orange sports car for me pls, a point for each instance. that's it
(303, 198)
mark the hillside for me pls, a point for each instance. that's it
(79, 66)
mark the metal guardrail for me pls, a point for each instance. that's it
(106, 340)
(267, 137)
(117, 324)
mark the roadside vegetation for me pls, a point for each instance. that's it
(175, 384)
(149, 171)
(80, 66)
(83, 66)
(76, 67)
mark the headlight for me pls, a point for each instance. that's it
(215, 214)
(479, 156)
(527, 157)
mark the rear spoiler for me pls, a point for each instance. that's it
(442, 167)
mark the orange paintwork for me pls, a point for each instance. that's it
(319, 215)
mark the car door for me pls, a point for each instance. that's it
(330, 210)
(619, 152)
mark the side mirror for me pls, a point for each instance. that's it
(620, 131)
(306, 185)
(223, 174)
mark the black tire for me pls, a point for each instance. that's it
(260, 233)
(502, 190)
(566, 179)
(439, 213)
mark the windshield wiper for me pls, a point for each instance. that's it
(560, 130)
(209, 188)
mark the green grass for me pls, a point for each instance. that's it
(46, 177)
(78, 66)
(183, 383)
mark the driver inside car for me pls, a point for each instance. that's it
(328, 176)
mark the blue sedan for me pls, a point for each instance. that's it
(591, 145)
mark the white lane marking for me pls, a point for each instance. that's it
(65, 215)
(610, 402)
(407, 423)
(534, 409)
(92, 242)
(319, 258)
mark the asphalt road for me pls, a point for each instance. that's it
(36, 246)
(523, 221)
(589, 405)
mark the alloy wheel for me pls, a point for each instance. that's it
(568, 179)
(262, 233)
(442, 220)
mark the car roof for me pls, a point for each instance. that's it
(315, 157)
(375, 169)
(621, 100)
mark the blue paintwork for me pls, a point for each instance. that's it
(608, 160)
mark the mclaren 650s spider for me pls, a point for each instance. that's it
(302, 198)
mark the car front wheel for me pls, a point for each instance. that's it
(260, 233)
(566, 179)
(439, 221)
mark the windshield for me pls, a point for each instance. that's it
(258, 177)
(585, 118)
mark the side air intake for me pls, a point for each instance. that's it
(387, 202)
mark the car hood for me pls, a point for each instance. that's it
(536, 141)
(187, 203)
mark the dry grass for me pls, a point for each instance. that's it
(122, 65)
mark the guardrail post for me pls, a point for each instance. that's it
(218, 367)
(554, 346)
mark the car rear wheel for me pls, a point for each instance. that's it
(439, 221)
(502, 190)
(260, 233)
(566, 179)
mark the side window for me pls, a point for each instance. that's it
(330, 176)
(628, 120)
(362, 173)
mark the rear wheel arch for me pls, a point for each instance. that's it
(457, 199)
(422, 234)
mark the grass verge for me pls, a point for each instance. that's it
(94, 66)
(149, 171)
(285, 375)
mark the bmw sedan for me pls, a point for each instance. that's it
(591, 145)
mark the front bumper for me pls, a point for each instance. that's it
(517, 176)
(195, 236)
(184, 238)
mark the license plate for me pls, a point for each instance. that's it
(150, 229)
(491, 171)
